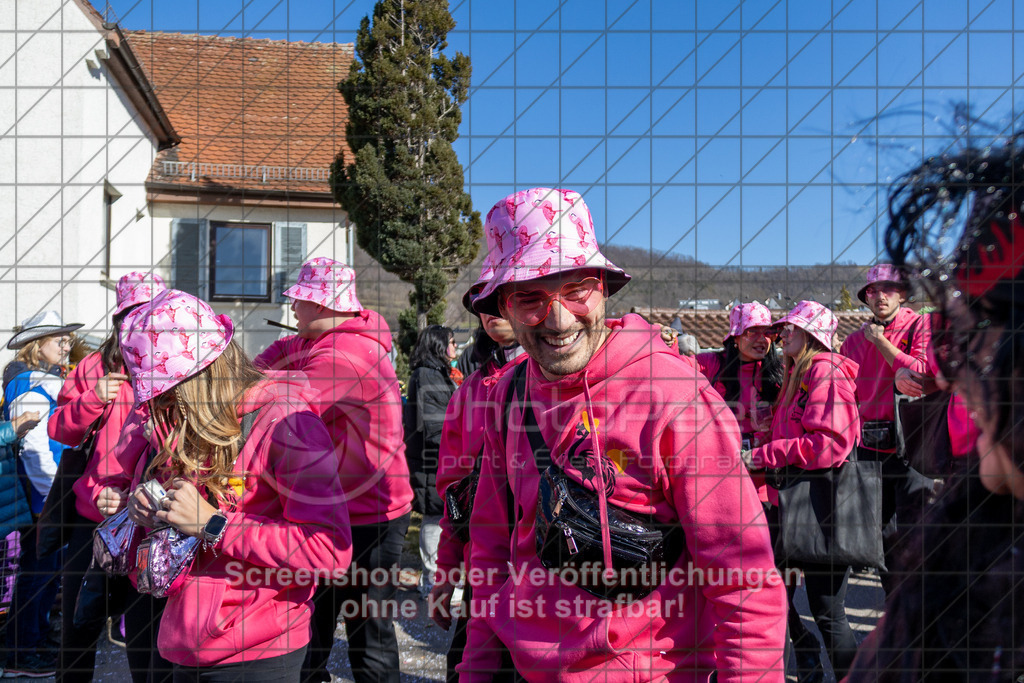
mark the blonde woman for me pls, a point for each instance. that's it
(815, 426)
(32, 382)
(267, 504)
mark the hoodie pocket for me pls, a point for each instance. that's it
(190, 620)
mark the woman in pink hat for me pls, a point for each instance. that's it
(265, 500)
(95, 398)
(747, 372)
(815, 426)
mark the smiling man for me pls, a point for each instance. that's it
(605, 412)
(896, 337)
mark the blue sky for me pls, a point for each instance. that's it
(739, 133)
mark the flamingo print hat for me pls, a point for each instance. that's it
(541, 232)
(744, 316)
(328, 283)
(815, 319)
(136, 288)
(171, 338)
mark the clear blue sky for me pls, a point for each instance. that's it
(740, 133)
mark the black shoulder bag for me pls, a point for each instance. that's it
(568, 527)
(830, 516)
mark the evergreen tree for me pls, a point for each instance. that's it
(845, 300)
(403, 187)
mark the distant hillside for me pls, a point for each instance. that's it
(659, 281)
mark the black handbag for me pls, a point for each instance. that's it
(100, 596)
(922, 433)
(568, 525)
(830, 516)
(58, 516)
(458, 501)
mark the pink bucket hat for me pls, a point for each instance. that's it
(328, 283)
(881, 272)
(745, 316)
(815, 319)
(172, 338)
(136, 288)
(486, 271)
(542, 232)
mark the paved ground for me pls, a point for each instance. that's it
(423, 645)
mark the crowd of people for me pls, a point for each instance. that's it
(611, 506)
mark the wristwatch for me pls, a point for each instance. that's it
(214, 529)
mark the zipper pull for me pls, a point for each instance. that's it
(570, 541)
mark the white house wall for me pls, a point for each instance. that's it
(325, 236)
(65, 128)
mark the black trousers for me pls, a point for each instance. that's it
(141, 626)
(826, 595)
(281, 669)
(372, 642)
(77, 643)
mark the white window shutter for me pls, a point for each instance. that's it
(289, 254)
(190, 255)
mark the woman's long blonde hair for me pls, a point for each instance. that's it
(796, 368)
(197, 422)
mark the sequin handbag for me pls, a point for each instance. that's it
(164, 560)
(114, 542)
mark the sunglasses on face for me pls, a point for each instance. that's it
(753, 333)
(532, 307)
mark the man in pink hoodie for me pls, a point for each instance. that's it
(895, 338)
(341, 350)
(623, 417)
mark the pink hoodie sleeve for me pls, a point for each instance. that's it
(302, 469)
(827, 429)
(725, 529)
(78, 405)
(916, 358)
(116, 467)
(280, 354)
(452, 467)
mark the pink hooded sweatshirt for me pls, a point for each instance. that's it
(709, 363)
(78, 407)
(252, 598)
(876, 379)
(819, 426)
(361, 405)
(668, 447)
(462, 441)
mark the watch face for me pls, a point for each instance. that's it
(215, 526)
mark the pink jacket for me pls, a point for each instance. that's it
(709, 363)
(361, 405)
(252, 599)
(668, 447)
(78, 407)
(876, 380)
(462, 441)
(820, 425)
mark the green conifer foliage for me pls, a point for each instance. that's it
(404, 186)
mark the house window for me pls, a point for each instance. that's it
(240, 261)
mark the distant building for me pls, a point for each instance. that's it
(700, 304)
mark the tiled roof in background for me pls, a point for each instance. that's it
(253, 114)
(710, 327)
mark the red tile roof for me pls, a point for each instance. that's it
(253, 114)
(710, 327)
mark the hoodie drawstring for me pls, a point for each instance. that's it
(602, 496)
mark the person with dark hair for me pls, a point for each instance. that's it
(747, 372)
(815, 426)
(32, 382)
(429, 390)
(896, 338)
(955, 232)
(492, 342)
(97, 397)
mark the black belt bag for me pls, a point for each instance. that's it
(568, 527)
(569, 538)
(458, 501)
(879, 435)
